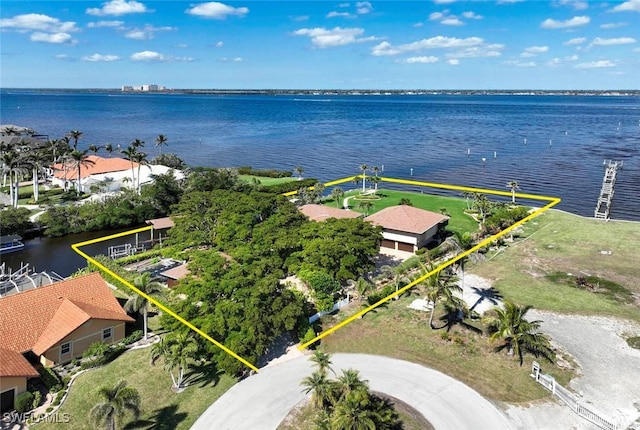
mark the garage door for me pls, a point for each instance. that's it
(6, 401)
(386, 243)
(405, 247)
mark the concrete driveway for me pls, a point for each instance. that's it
(263, 400)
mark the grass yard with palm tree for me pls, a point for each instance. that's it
(160, 407)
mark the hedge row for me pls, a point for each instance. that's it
(270, 173)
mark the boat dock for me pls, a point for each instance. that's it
(24, 279)
(606, 192)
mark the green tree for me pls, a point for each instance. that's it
(320, 387)
(299, 171)
(337, 193)
(442, 287)
(115, 403)
(140, 304)
(366, 206)
(75, 135)
(131, 154)
(15, 220)
(322, 361)
(141, 159)
(519, 335)
(169, 160)
(79, 159)
(177, 351)
(109, 148)
(513, 186)
(160, 141)
(94, 148)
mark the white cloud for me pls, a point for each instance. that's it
(422, 59)
(576, 4)
(231, 60)
(63, 57)
(595, 64)
(51, 37)
(611, 25)
(518, 63)
(598, 41)
(344, 5)
(471, 15)
(100, 58)
(575, 41)
(38, 22)
(148, 56)
(418, 24)
(451, 20)
(117, 8)
(453, 61)
(326, 38)
(110, 24)
(536, 49)
(435, 16)
(477, 52)
(628, 6)
(554, 62)
(216, 10)
(573, 57)
(636, 49)
(576, 21)
(219, 44)
(334, 14)
(363, 7)
(385, 48)
(146, 33)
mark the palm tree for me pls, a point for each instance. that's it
(518, 334)
(299, 171)
(130, 154)
(337, 193)
(94, 148)
(365, 206)
(376, 180)
(79, 159)
(161, 140)
(350, 382)
(75, 135)
(321, 388)
(483, 204)
(37, 161)
(109, 148)
(441, 286)
(364, 169)
(12, 165)
(140, 304)
(363, 287)
(513, 186)
(353, 414)
(322, 360)
(177, 351)
(141, 159)
(115, 404)
(137, 143)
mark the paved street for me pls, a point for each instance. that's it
(263, 400)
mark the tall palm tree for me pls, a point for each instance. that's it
(365, 206)
(141, 159)
(513, 186)
(79, 159)
(161, 140)
(376, 180)
(75, 135)
(13, 166)
(37, 160)
(109, 148)
(137, 143)
(350, 382)
(322, 360)
(299, 171)
(94, 148)
(337, 193)
(321, 388)
(442, 287)
(140, 304)
(364, 169)
(115, 404)
(518, 334)
(176, 350)
(130, 154)
(353, 414)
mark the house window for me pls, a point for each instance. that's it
(106, 333)
(65, 348)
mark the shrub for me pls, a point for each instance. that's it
(270, 173)
(37, 398)
(421, 251)
(59, 397)
(50, 378)
(290, 186)
(49, 409)
(309, 335)
(66, 380)
(96, 349)
(445, 336)
(24, 402)
(133, 337)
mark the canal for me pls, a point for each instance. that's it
(55, 253)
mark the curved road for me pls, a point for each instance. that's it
(263, 400)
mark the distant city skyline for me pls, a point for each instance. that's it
(443, 44)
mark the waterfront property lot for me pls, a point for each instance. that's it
(455, 207)
(265, 180)
(161, 408)
(543, 266)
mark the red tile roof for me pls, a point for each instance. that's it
(13, 363)
(100, 165)
(38, 318)
(406, 218)
(321, 212)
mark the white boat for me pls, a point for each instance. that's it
(11, 243)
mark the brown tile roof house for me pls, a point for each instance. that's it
(100, 165)
(407, 228)
(321, 212)
(56, 322)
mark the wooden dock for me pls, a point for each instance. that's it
(606, 192)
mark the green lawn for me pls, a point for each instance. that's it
(455, 207)
(161, 408)
(558, 242)
(396, 331)
(265, 180)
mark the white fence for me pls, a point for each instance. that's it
(335, 307)
(571, 400)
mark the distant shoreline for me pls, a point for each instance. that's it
(351, 92)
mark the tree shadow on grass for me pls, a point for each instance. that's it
(203, 374)
(162, 419)
(489, 294)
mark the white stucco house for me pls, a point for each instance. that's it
(108, 174)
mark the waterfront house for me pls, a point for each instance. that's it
(405, 228)
(52, 325)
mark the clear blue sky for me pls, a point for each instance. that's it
(443, 44)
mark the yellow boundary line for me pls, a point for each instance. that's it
(552, 202)
(151, 299)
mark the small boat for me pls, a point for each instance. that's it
(11, 243)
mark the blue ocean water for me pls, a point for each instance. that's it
(438, 138)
